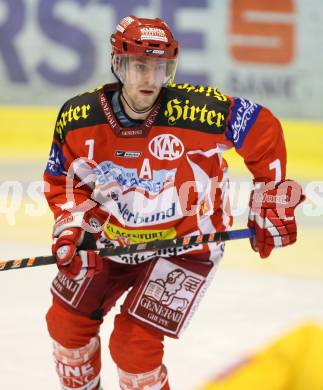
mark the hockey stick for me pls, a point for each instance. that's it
(136, 248)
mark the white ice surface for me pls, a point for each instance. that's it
(241, 312)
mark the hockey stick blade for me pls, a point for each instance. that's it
(28, 262)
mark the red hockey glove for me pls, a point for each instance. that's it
(84, 264)
(64, 247)
(68, 234)
(272, 208)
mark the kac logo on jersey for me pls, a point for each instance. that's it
(166, 147)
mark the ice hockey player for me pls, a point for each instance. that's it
(141, 160)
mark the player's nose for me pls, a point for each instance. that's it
(150, 78)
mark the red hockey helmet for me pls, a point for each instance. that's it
(149, 38)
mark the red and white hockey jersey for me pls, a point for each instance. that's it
(165, 178)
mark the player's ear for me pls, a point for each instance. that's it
(116, 63)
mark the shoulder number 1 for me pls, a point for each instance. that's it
(90, 144)
(275, 165)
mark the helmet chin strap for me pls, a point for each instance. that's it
(133, 108)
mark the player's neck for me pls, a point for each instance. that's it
(131, 111)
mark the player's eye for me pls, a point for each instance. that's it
(160, 66)
(140, 67)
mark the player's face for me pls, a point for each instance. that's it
(143, 80)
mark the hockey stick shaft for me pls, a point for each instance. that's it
(28, 262)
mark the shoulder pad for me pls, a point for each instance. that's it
(194, 107)
(199, 89)
(80, 111)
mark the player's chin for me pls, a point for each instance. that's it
(147, 101)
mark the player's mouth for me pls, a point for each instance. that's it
(146, 92)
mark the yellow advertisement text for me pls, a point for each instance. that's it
(178, 109)
(207, 91)
(137, 236)
(72, 114)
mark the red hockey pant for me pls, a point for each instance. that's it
(133, 348)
